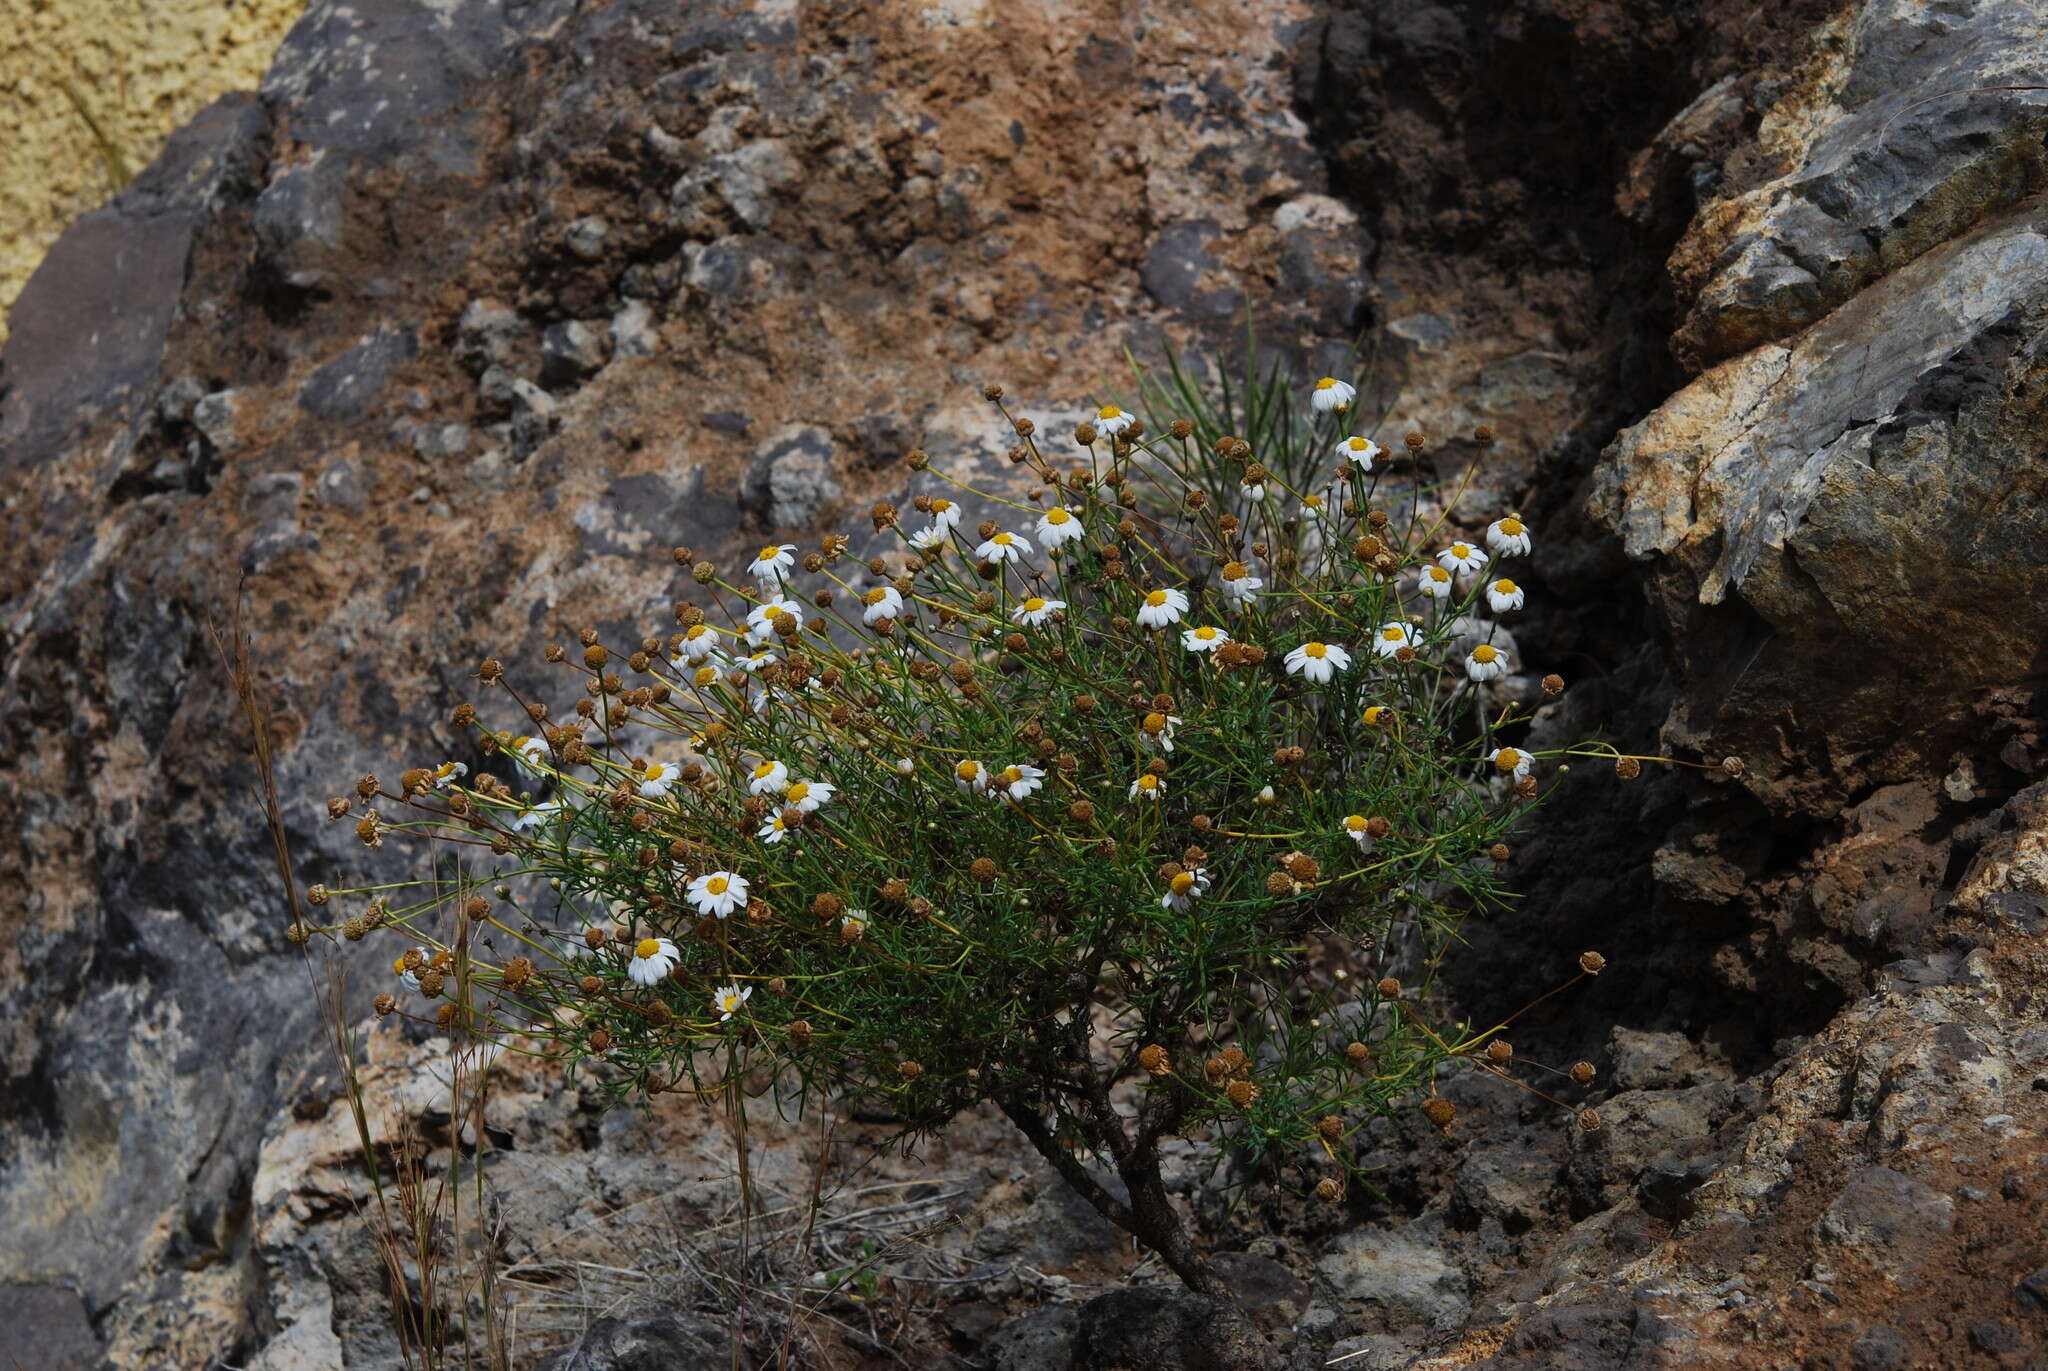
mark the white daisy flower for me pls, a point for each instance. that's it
(653, 959)
(852, 925)
(809, 796)
(1435, 582)
(1184, 889)
(772, 562)
(699, 642)
(1155, 731)
(1162, 607)
(761, 619)
(1266, 797)
(1255, 491)
(1317, 661)
(1057, 525)
(1354, 828)
(1362, 452)
(1331, 394)
(531, 754)
(657, 778)
(729, 1000)
(905, 767)
(1461, 558)
(925, 539)
(1023, 781)
(1391, 638)
(1004, 547)
(1203, 639)
(971, 777)
(946, 515)
(769, 778)
(1509, 537)
(756, 659)
(882, 602)
(718, 894)
(1485, 662)
(1035, 611)
(409, 975)
(774, 831)
(529, 817)
(448, 773)
(1239, 584)
(1148, 787)
(1504, 595)
(1109, 421)
(1510, 761)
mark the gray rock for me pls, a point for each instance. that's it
(1655, 1061)
(586, 237)
(341, 486)
(488, 334)
(649, 1342)
(503, 392)
(1878, 1349)
(1042, 1340)
(1177, 267)
(1509, 1185)
(441, 440)
(344, 388)
(214, 417)
(1889, 1219)
(175, 401)
(1637, 1127)
(633, 332)
(1154, 1328)
(789, 480)
(1394, 1278)
(573, 352)
(45, 1327)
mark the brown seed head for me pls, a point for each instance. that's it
(1358, 1054)
(1628, 768)
(1439, 1111)
(1592, 963)
(1241, 1093)
(1390, 987)
(1234, 1060)
(1589, 1120)
(384, 1004)
(1280, 885)
(1499, 852)
(517, 972)
(1553, 684)
(704, 573)
(982, 870)
(909, 1071)
(367, 787)
(1733, 766)
(595, 657)
(896, 890)
(1328, 1191)
(1081, 812)
(1154, 1059)
(1499, 1052)
(1331, 1128)
(1302, 867)
(600, 1041)
(1582, 1073)
(431, 983)
(826, 905)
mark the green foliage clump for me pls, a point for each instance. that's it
(1123, 807)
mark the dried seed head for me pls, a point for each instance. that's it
(1081, 812)
(600, 1041)
(1241, 1093)
(916, 460)
(826, 905)
(704, 573)
(1414, 442)
(1483, 435)
(1302, 867)
(1582, 1073)
(896, 890)
(1378, 827)
(1389, 987)
(1331, 1128)
(1733, 766)
(431, 983)
(982, 870)
(1553, 684)
(1589, 1120)
(1592, 963)
(909, 1071)
(367, 787)
(1358, 1054)
(316, 895)
(1499, 852)
(1628, 768)
(490, 670)
(595, 657)
(1328, 1191)
(384, 1004)
(1154, 1059)
(590, 985)
(1439, 1111)
(1499, 1052)
(1234, 1060)
(298, 935)
(919, 907)
(517, 972)
(991, 392)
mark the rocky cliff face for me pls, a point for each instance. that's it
(434, 347)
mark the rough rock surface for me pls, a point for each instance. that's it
(437, 347)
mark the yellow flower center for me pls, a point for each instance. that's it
(768, 554)
(1392, 633)
(1508, 759)
(874, 597)
(655, 772)
(967, 771)
(717, 885)
(1148, 783)
(1001, 540)
(1326, 383)
(1375, 715)
(1109, 412)
(764, 771)
(728, 1003)
(1013, 774)
(1315, 650)
(1512, 527)
(1057, 516)
(445, 769)
(1207, 635)
(521, 741)
(1461, 550)
(1357, 444)
(1355, 823)
(398, 966)
(1034, 604)
(1504, 586)
(797, 792)
(1437, 573)
(1484, 654)
(941, 506)
(705, 675)
(1236, 571)
(1312, 501)
(646, 948)
(1156, 599)
(1155, 723)
(1183, 883)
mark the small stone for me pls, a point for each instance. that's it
(633, 330)
(214, 416)
(488, 334)
(572, 352)
(586, 237)
(441, 440)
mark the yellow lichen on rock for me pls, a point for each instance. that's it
(89, 90)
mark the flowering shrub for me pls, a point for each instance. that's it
(1128, 808)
